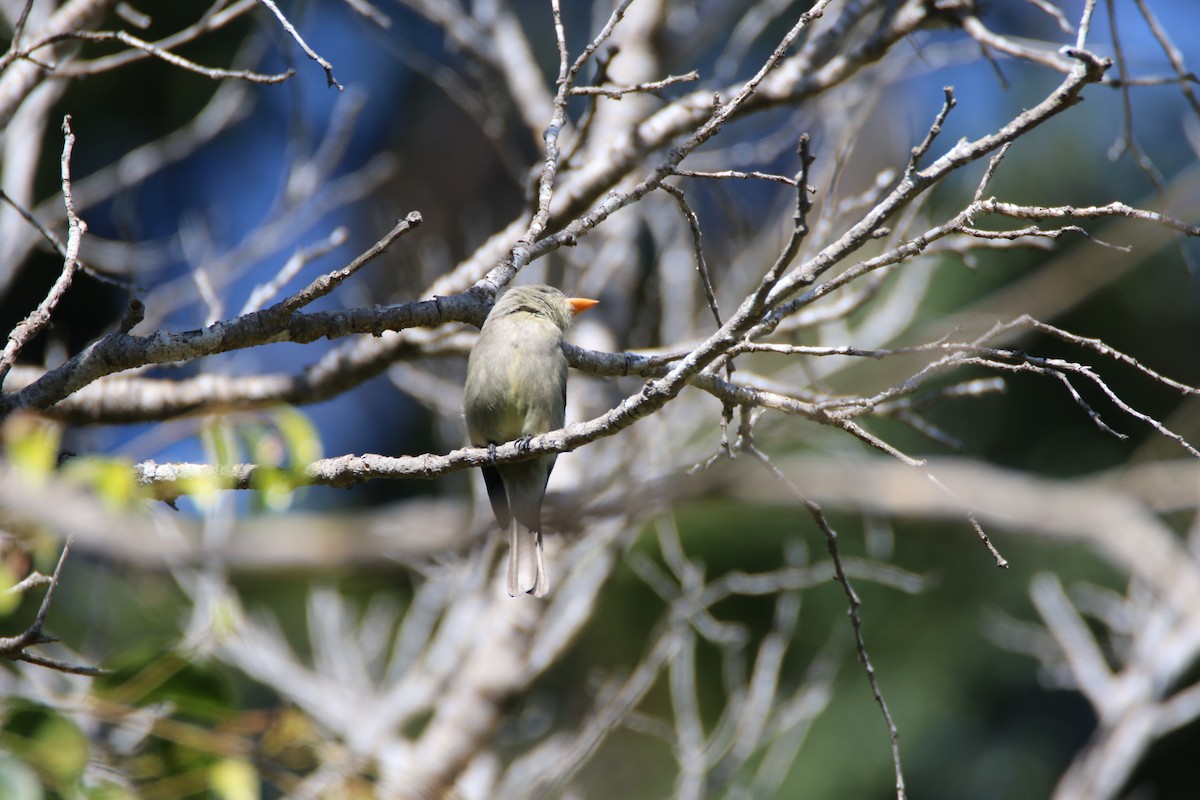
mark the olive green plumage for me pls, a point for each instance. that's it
(517, 387)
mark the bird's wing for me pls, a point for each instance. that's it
(496, 493)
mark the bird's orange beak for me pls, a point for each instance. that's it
(581, 304)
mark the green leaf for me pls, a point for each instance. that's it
(303, 441)
(219, 440)
(113, 481)
(109, 791)
(8, 600)
(275, 487)
(198, 690)
(234, 779)
(31, 446)
(49, 743)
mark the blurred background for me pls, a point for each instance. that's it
(423, 125)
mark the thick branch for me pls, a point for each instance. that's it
(120, 351)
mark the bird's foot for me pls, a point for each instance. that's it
(492, 452)
(523, 443)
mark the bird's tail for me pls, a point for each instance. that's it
(526, 564)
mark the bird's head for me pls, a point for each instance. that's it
(543, 301)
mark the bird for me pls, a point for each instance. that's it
(516, 388)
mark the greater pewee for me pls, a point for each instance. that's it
(517, 388)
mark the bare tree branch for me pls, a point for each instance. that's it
(33, 324)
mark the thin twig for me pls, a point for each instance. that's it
(218, 15)
(618, 92)
(287, 26)
(22, 18)
(990, 172)
(1174, 56)
(215, 73)
(364, 9)
(264, 292)
(1097, 346)
(37, 319)
(731, 173)
(30, 581)
(918, 152)
(1127, 142)
(855, 603)
(325, 284)
(697, 248)
(14, 648)
(1056, 13)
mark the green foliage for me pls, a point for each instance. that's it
(234, 779)
(280, 443)
(113, 480)
(195, 689)
(283, 447)
(31, 446)
(46, 741)
(8, 600)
